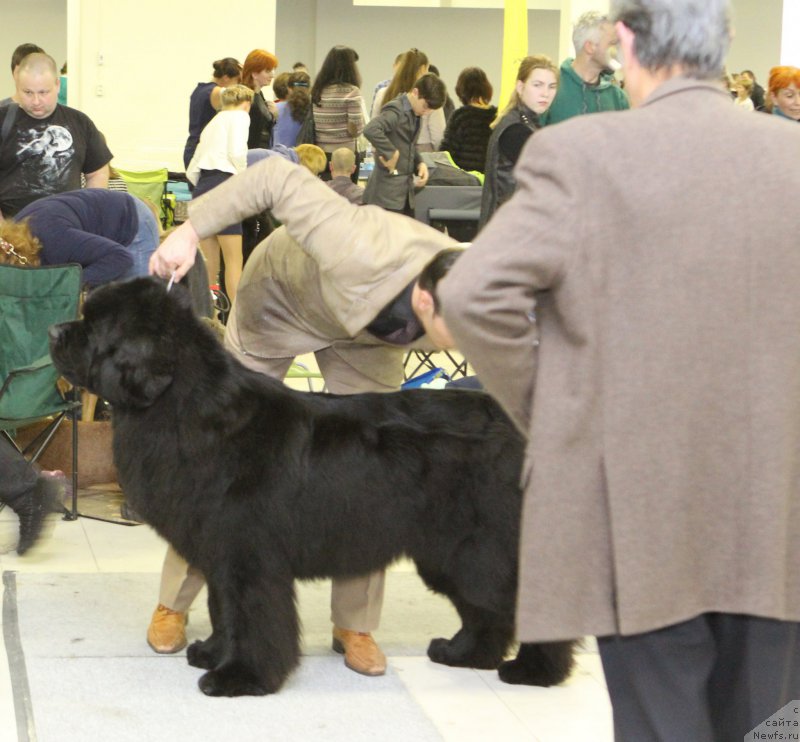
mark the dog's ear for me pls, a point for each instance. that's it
(134, 375)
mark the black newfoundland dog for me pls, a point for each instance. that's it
(258, 485)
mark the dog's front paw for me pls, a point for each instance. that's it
(439, 651)
(232, 681)
(200, 654)
(448, 652)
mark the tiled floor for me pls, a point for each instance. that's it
(464, 705)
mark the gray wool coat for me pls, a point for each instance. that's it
(659, 382)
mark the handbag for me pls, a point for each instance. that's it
(308, 130)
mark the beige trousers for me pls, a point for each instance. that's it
(355, 602)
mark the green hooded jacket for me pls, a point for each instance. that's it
(575, 97)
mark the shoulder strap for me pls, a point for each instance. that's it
(8, 121)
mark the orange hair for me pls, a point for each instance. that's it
(257, 61)
(18, 246)
(783, 77)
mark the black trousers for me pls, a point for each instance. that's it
(711, 679)
(17, 475)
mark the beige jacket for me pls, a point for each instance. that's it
(659, 385)
(325, 274)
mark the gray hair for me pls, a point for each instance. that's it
(695, 34)
(587, 28)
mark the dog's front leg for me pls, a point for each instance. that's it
(257, 634)
(208, 654)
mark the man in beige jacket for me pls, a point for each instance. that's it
(644, 336)
(353, 284)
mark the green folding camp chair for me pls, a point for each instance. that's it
(32, 299)
(148, 185)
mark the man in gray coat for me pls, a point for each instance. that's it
(644, 336)
(355, 285)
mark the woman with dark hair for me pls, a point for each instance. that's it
(466, 137)
(337, 104)
(257, 73)
(204, 101)
(293, 110)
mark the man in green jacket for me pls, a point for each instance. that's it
(587, 82)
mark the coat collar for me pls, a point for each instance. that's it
(682, 84)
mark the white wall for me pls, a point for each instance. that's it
(790, 47)
(42, 22)
(453, 38)
(757, 41)
(153, 55)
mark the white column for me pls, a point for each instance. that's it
(790, 35)
(570, 11)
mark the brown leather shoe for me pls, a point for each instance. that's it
(361, 653)
(166, 633)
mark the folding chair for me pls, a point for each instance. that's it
(32, 299)
(419, 360)
(300, 371)
(148, 185)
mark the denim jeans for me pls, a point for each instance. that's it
(144, 243)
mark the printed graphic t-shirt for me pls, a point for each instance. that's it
(40, 157)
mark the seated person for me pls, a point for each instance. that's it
(110, 234)
(343, 165)
(29, 493)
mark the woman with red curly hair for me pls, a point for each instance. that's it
(257, 73)
(17, 245)
(784, 92)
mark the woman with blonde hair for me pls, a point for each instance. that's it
(536, 86)
(743, 88)
(412, 65)
(222, 152)
(258, 72)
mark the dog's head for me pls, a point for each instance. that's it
(125, 346)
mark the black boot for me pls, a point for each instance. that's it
(33, 507)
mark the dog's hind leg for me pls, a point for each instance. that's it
(260, 636)
(544, 664)
(482, 641)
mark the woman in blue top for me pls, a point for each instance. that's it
(292, 111)
(109, 233)
(205, 101)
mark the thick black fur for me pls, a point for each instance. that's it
(258, 485)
